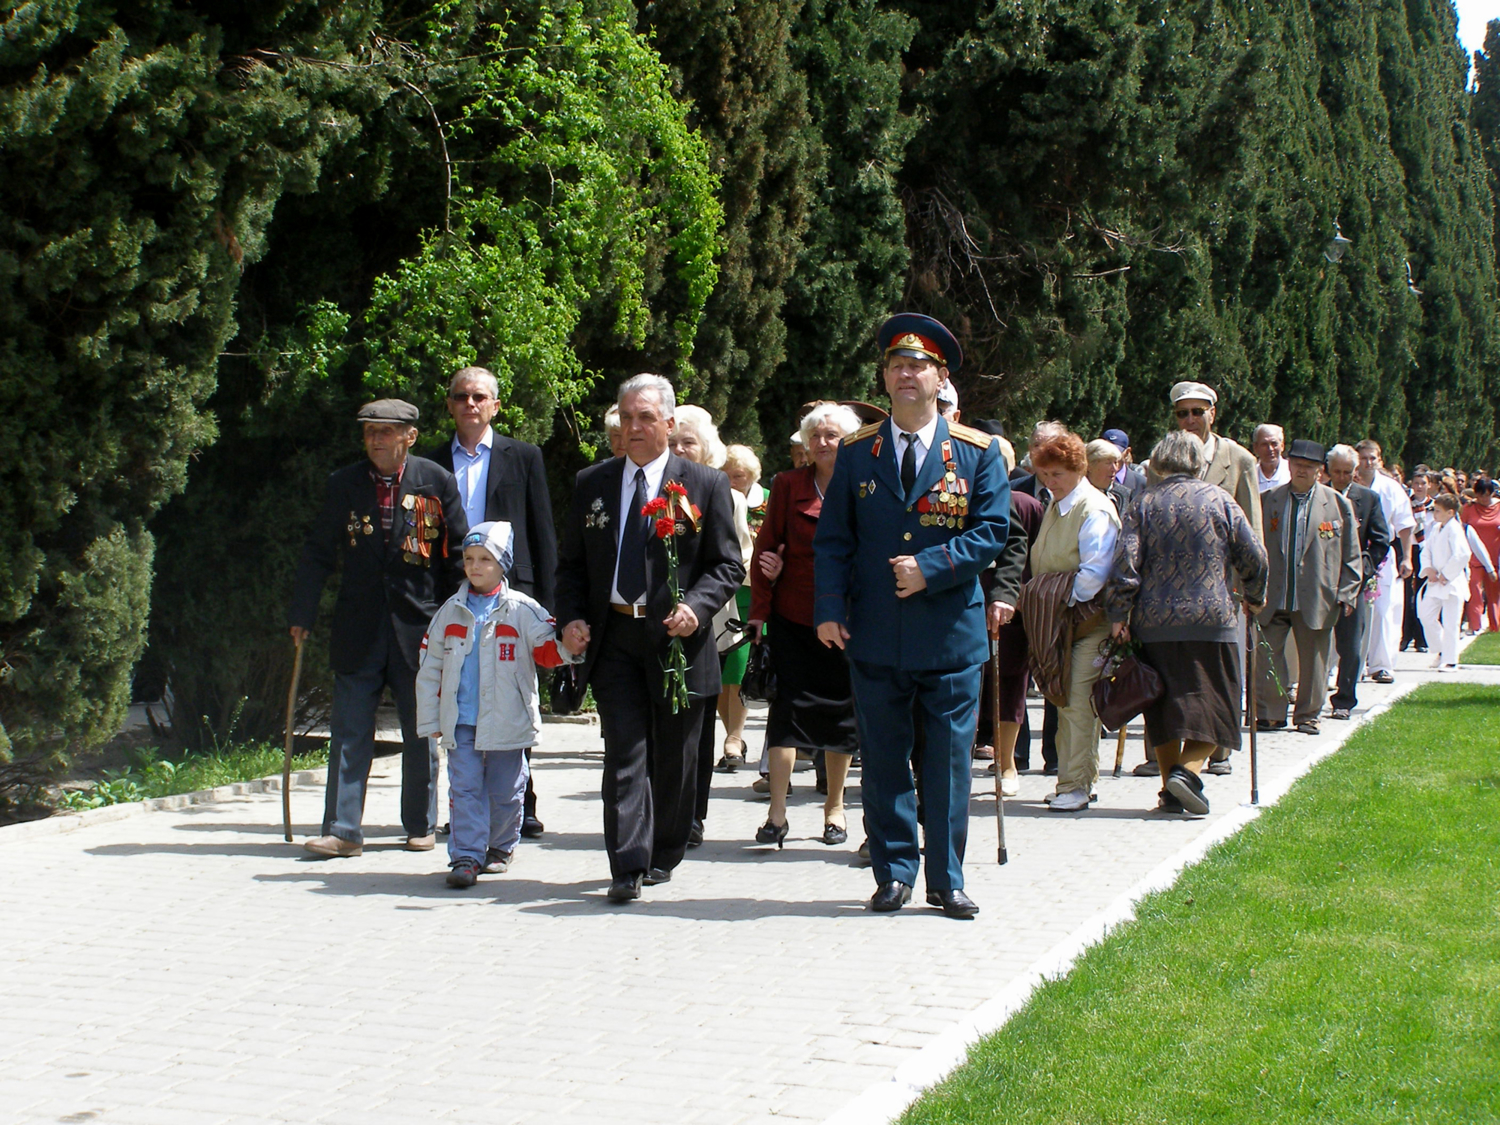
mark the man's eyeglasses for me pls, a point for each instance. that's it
(473, 396)
(1193, 411)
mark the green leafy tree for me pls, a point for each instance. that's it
(528, 197)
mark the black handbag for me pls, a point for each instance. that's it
(1127, 686)
(567, 696)
(759, 683)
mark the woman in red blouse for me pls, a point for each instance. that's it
(814, 704)
(1483, 515)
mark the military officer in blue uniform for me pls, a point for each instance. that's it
(917, 507)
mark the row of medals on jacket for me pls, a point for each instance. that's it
(423, 526)
(949, 500)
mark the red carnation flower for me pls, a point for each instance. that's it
(666, 527)
(655, 507)
(676, 488)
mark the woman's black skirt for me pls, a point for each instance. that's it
(814, 704)
(1201, 702)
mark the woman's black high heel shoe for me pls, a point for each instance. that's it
(769, 833)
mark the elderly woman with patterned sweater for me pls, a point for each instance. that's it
(1171, 589)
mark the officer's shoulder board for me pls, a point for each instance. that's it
(971, 436)
(863, 432)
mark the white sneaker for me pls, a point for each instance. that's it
(1075, 801)
(1010, 785)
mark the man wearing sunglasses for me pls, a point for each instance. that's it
(500, 478)
(1227, 464)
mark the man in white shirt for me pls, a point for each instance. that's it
(1390, 593)
(1271, 467)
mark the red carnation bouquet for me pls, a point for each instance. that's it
(666, 511)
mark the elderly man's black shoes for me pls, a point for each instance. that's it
(890, 897)
(954, 903)
(625, 888)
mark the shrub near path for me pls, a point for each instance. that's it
(1336, 961)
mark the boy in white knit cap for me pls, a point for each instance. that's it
(476, 690)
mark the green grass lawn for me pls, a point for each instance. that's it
(151, 775)
(1338, 961)
(1485, 649)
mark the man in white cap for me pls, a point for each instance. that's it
(947, 400)
(1227, 464)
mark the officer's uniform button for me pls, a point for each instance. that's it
(907, 535)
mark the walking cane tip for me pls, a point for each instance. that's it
(1003, 858)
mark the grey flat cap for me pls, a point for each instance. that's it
(388, 410)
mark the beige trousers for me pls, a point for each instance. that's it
(1312, 660)
(1077, 725)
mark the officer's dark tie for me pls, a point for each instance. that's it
(909, 465)
(632, 574)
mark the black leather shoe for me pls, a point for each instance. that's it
(771, 833)
(890, 897)
(531, 827)
(657, 875)
(955, 904)
(625, 888)
(834, 834)
(695, 835)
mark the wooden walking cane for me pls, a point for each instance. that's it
(995, 739)
(1120, 749)
(1251, 706)
(286, 761)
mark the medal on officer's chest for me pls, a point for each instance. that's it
(947, 501)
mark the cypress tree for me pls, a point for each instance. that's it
(734, 67)
(852, 266)
(1451, 388)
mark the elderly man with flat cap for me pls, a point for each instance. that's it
(1313, 543)
(395, 523)
(916, 509)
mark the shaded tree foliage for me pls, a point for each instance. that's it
(142, 150)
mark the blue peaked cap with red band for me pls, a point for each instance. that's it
(920, 336)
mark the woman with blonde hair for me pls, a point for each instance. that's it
(743, 469)
(696, 438)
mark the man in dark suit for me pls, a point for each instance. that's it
(916, 509)
(1351, 632)
(500, 478)
(617, 597)
(395, 522)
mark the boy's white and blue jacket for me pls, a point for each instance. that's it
(517, 638)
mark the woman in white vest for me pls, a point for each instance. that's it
(1078, 534)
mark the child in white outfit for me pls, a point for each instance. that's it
(476, 690)
(1445, 565)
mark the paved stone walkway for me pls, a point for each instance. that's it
(189, 966)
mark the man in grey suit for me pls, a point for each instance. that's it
(1312, 540)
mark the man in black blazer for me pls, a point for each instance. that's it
(613, 593)
(1351, 634)
(500, 478)
(395, 522)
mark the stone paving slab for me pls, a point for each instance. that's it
(189, 966)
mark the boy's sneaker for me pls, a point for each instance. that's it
(465, 873)
(496, 862)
